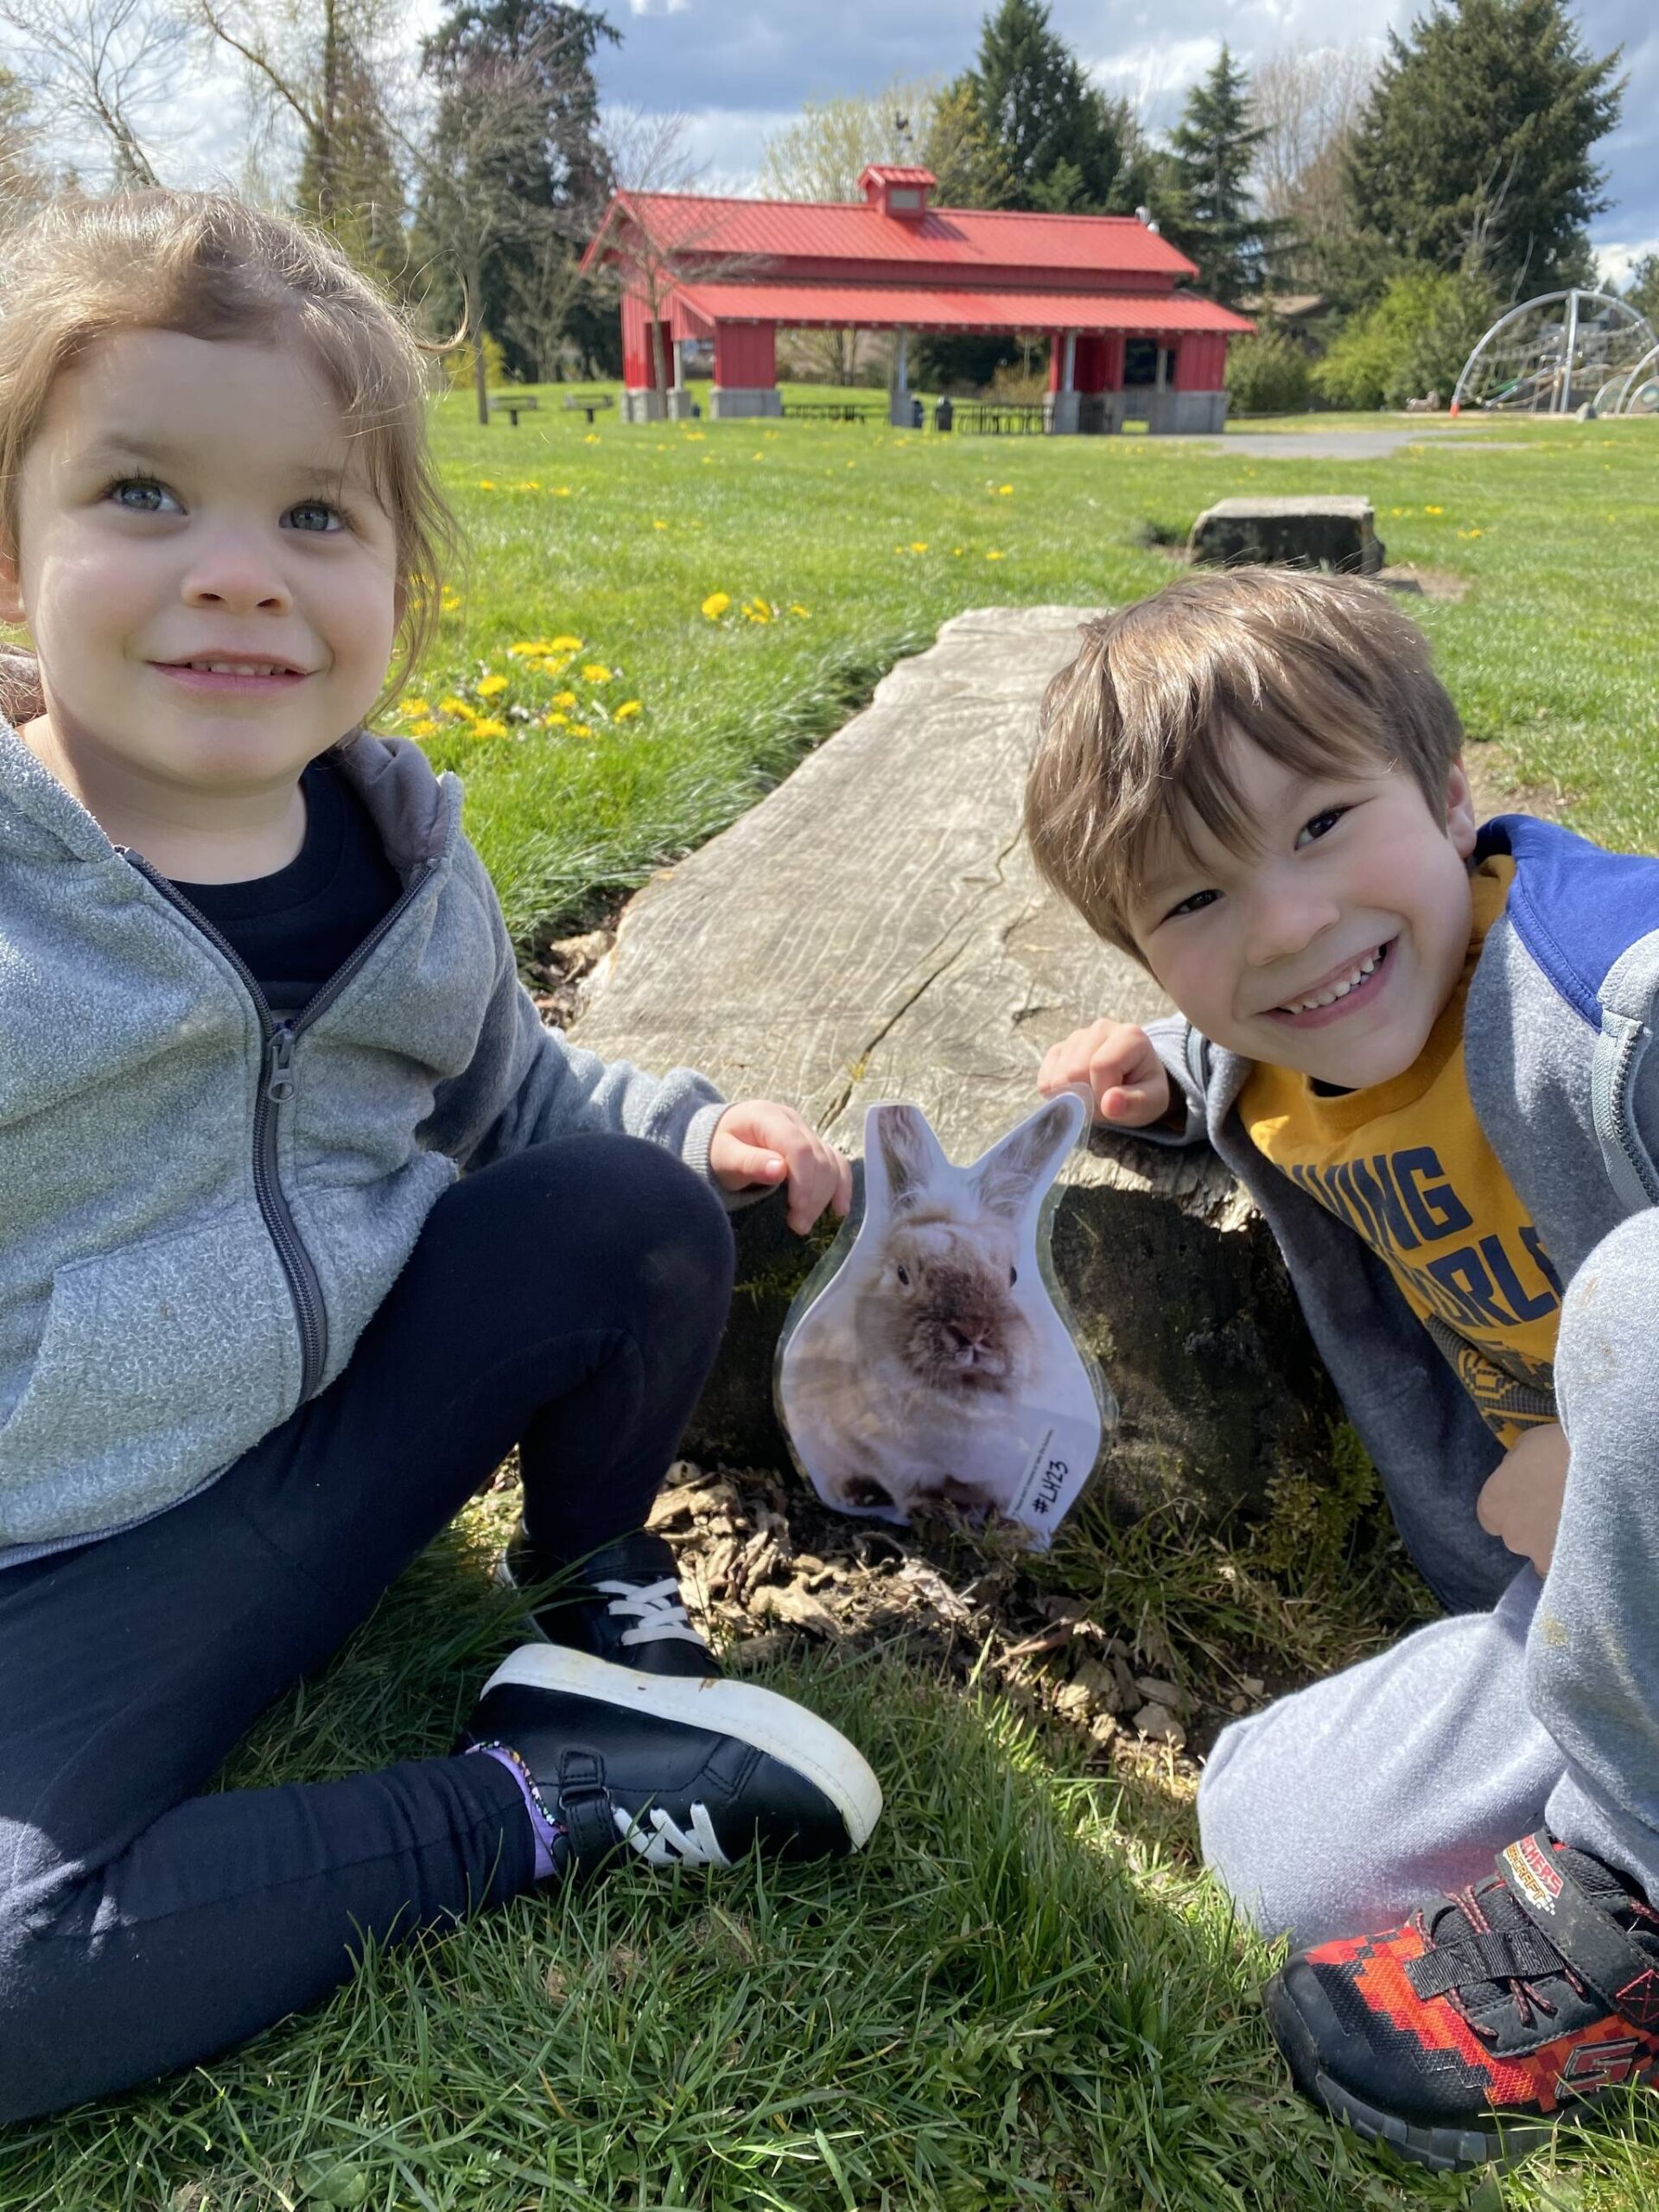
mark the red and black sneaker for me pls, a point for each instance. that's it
(1467, 2033)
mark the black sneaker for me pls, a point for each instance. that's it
(622, 1604)
(686, 1773)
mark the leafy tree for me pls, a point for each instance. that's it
(964, 156)
(1065, 147)
(1643, 290)
(1476, 139)
(1267, 374)
(822, 154)
(1414, 341)
(516, 162)
(1213, 216)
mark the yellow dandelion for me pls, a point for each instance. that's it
(419, 707)
(526, 646)
(565, 698)
(453, 706)
(1434, 511)
(993, 556)
(554, 721)
(756, 610)
(627, 710)
(1005, 491)
(425, 727)
(561, 490)
(660, 526)
(592, 439)
(919, 545)
(529, 484)
(489, 727)
(795, 607)
(492, 687)
(716, 604)
(580, 729)
(595, 672)
(486, 483)
(565, 645)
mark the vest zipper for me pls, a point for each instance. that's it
(277, 1088)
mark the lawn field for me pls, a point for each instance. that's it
(1024, 1997)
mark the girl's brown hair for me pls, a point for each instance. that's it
(1322, 673)
(207, 265)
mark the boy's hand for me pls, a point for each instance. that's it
(1125, 1076)
(1521, 1499)
(756, 1141)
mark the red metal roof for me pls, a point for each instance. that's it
(966, 238)
(884, 173)
(933, 308)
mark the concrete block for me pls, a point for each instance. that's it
(1298, 531)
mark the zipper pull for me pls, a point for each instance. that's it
(281, 1085)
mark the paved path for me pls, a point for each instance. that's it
(1352, 445)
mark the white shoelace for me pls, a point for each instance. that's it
(659, 1609)
(668, 1844)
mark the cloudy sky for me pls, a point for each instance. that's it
(739, 68)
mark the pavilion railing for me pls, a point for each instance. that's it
(836, 411)
(1000, 417)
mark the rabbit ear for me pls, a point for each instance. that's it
(1027, 1158)
(900, 1140)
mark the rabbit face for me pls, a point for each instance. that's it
(947, 1311)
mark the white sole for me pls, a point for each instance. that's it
(774, 1725)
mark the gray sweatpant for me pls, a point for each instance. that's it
(1335, 1810)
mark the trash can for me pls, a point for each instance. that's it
(915, 414)
(943, 415)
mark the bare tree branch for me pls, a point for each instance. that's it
(105, 63)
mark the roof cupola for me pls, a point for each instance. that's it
(899, 192)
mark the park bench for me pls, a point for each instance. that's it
(513, 404)
(590, 406)
(836, 411)
(925, 960)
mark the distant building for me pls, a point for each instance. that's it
(1123, 343)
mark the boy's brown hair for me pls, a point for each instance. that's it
(1321, 671)
(207, 265)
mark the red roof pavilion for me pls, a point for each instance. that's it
(1123, 341)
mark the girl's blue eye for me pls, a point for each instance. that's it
(1194, 903)
(1321, 824)
(139, 495)
(316, 515)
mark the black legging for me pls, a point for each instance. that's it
(569, 1300)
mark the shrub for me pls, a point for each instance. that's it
(1414, 342)
(1267, 375)
(458, 366)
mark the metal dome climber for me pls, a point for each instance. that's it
(1552, 354)
(1632, 392)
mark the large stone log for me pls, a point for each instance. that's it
(876, 930)
(1338, 532)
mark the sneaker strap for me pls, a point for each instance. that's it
(1580, 1929)
(586, 1812)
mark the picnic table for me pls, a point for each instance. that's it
(513, 404)
(590, 405)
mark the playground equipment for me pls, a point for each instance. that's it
(1633, 391)
(1556, 352)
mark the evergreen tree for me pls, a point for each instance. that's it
(349, 179)
(1211, 215)
(1050, 139)
(541, 167)
(1474, 148)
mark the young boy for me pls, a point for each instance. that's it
(1420, 1044)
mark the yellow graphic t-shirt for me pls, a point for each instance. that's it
(1407, 1165)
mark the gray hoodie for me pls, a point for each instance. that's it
(1556, 1030)
(200, 1207)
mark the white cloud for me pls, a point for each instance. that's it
(1616, 259)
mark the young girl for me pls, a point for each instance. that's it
(308, 1219)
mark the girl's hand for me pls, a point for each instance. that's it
(1521, 1499)
(756, 1141)
(1126, 1077)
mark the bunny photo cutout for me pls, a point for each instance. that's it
(930, 1357)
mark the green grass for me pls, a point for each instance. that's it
(1025, 1994)
(880, 536)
